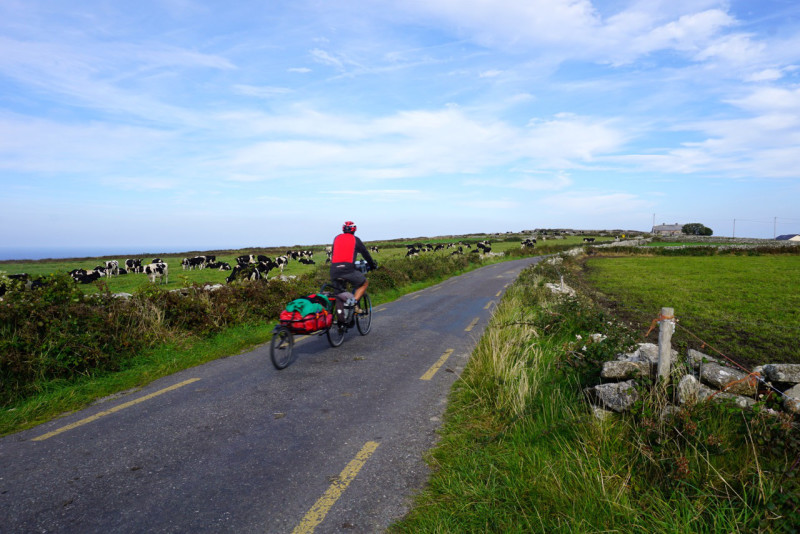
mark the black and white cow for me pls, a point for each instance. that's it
(281, 262)
(245, 259)
(83, 277)
(588, 240)
(197, 262)
(528, 242)
(158, 271)
(133, 265)
(112, 267)
(485, 246)
(221, 265)
(245, 271)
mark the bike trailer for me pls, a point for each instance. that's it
(308, 314)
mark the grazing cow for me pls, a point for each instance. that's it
(307, 261)
(221, 265)
(528, 242)
(86, 277)
(485, 246)
(112, 267)
(157, 270)
(134, 265)
(281, 262)
(245, 259)
(245, 271)
(588, 240)
(264, 267)
(198, 262)
(373, 249)
(412, 252)
(156, 260)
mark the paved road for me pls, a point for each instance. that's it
(333, 443)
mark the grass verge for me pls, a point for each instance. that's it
(522, 451)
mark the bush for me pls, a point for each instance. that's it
(55, 332)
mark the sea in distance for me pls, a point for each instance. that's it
(41, 253)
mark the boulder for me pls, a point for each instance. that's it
(688, 390)
(646, 352)
(618, 396)
(728, 379)
(624, 370)
(784, 373)
(696, 359)
(791, 402)
(691, 391)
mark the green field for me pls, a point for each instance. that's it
(747, 307)
(181, 278)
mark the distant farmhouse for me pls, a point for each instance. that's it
(788, 237)
(667, 229)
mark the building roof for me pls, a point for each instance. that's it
(788, 237)
(668, 227)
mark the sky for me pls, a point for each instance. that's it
(198, 125)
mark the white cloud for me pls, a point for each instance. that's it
(490, 73)
(420, 143)
(261, 92)
(324, 57)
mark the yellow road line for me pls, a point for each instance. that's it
(418, 295)
(436, 366)
(488, 305)
(317, 513)
(499, 293)
(472, 324)
(98, 415)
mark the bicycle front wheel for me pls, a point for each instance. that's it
(364, 318)
(281, 347)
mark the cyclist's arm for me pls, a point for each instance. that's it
(361, 249)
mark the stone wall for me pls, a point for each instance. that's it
(700, 378)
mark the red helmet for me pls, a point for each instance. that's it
(349, 227)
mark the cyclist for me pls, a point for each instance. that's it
(346, 246)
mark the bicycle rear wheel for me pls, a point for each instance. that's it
(364, 319)
(335, 334)
(281, 347)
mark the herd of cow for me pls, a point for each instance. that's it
(248, 266)
(157, 269)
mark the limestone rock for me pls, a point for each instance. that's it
(618, 396)
(697, 359)
(791, 403)
(691, 391)
(785, 373)
(646, 352)
(623, 370)
(727, 379)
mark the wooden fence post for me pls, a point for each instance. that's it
(665, 327)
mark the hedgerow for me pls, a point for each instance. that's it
(57, 332)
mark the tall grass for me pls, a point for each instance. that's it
(522, 451)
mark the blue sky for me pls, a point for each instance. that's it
(193, 125)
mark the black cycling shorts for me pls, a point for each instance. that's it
(356, 278)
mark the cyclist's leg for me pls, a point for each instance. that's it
(360, 290)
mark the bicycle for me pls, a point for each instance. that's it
(344, 319)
